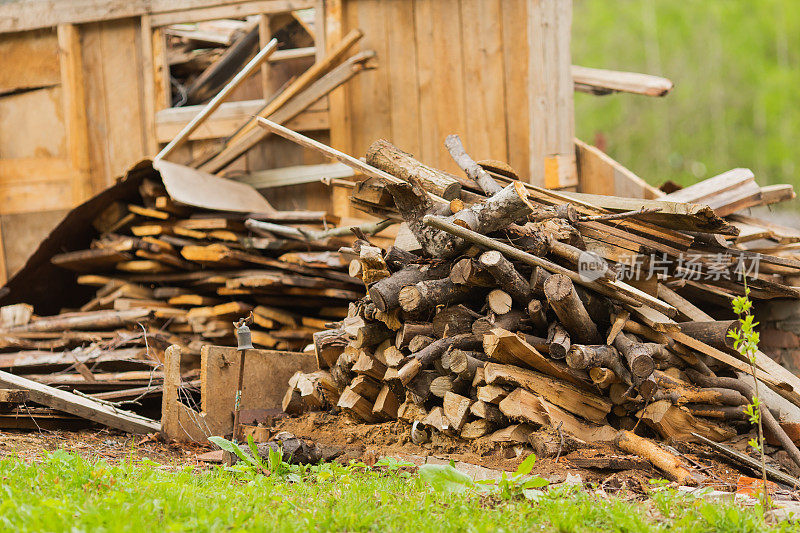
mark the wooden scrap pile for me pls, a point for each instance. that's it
(489, 317)
(168, 274)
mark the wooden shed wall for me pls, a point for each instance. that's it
(462, 66)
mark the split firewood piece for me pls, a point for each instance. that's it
(369, 366)
(617, 325)
(409, 330)
(538, 276)
(491, 393)
(385, 294)
(679, 392)
(471, 168)
(536, 312)
(514, 434)
(477, 429)
(665, 461)
(357, 405)
(456, 409)
(558, 341)
(562, 394)
(488, 411)
(547, 442)
(522, 405)
(383, 155)
(366, 386)
(502, 346)
(373, 267)
(584, 357)
(591, 264)
(420, 386)
(444, 384)
(569, 309)
(465, 363)
(677, 423)
(435, 350)
(393, 356)
(426, 295)
(507, 277)
(714, 333)
(454, 320)
(413, 203)
(499, 301)
(469, 271)
(386, 404)
(437, 420)
(93, 320)
(771, 425)
(411, 412)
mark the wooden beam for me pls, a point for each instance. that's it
(72, 86)
(148, 86)
(602, 81)
(80, 406)
(24, 15)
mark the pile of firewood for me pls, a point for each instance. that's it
(488, 318)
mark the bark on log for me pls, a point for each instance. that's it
(507, 277)
(663, 460)
(713, 333)
(538, 277)
(536, 312)
(413, 203)
(638, 355)
(397, 258)
(514, 320)
(566, 304)
(419, 342)
(603, 377)
(454, 320)
(465, 363)
(468, 271)
(409, 330)
(328, 346)
(385, 294)
(426, 295)
(576, 257)
(583, 357)
(435, 350)
(387, 157)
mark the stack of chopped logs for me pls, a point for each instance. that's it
(491, 322)
(170, 274)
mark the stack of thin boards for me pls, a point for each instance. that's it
(169, 274)
(504, 307)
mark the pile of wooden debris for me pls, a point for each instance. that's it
(507, 307)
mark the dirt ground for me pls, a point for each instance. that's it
(342, 439)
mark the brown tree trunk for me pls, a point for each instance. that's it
(566, 304)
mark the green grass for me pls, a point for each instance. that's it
(66, 492)
(736, 68)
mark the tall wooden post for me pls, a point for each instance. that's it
(550, 94)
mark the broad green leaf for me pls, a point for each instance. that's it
(526, 466)
(445, 478)
(535, 483)
(232, 447)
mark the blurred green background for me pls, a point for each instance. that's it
(736, 101)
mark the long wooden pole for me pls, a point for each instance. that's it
(215, 102)
(356, 164)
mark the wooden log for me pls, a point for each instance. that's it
(513, 320)
(397, 258)
(538, 276)
(411, 412)
(426, 295)
(507, 277)
(662, 459)
(499, 301)
(456, 409)
(566, 304)
(370, 335)
(714, 333)
(465, 363)
(562, 394)
(599, 267)
(536, 312)
(409, 330)
(677, 423)
(366, 387)
(383, 155)
(373, 267)
(454, 320)
(437, 420)
(435, 350)
(420, 386)
(469, 271)
(385, 294)
(638, 355)
(513, 434)
(603, 377)
(369, 366)
(558, 341)
(583, 357)
(441, 385)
